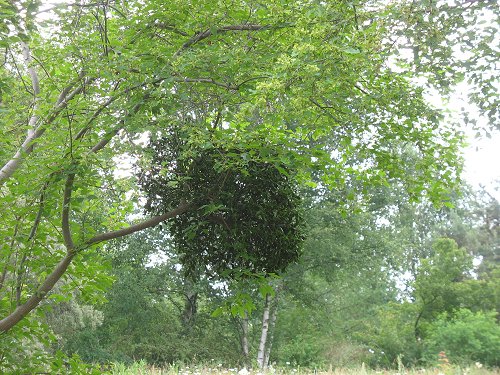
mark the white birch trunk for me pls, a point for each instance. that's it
(244, 337)
(272, 324)
(263, 337)
(8, 169)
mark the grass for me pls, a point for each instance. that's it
(143, 369)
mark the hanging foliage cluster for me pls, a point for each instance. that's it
(246, 215)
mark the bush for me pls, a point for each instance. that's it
(345, 354)
(304, 351)
(391, 336)
(465, 337)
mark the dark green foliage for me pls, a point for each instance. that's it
(246, 215)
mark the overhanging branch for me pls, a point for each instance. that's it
(207, 33)
(182, 208)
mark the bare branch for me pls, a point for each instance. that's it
(66, 231)
(182, 208)
(205, 34)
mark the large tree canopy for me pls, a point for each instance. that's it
(83, 84)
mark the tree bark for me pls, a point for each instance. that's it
(272, 324)
(263, 336)
(244, 338)
(37, 131)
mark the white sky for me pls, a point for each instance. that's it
(482, 164)
(482, 155)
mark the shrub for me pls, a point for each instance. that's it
(465, 337)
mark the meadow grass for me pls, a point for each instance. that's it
(144, 369)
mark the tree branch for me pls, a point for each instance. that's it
(27, 146)
(209, 80)
(207, 33)
(182, 208)
(41, 203)
(15, 317)
(361, 89)
(109, 135)
(5, 269)
(106, 104)
(66, 231)
(20, 312)
(164, 26)
(35, 83)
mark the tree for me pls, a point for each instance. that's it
(342, 279)
(439, 274)
(446, 43)
(437, 278)
(151, 312)
(95, 78)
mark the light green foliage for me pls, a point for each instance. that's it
(445, 43)
(293, 75)
(465, 337)
(437, 277)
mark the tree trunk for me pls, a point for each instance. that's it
(265, 329)
(190, 307)
(244, 338)
(272, 324)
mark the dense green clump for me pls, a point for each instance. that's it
(246, 214)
